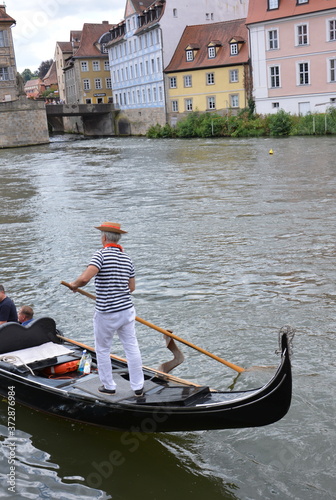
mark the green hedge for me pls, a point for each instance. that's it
(248, 124)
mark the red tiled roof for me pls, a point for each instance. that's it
(141, 5)
(258, 9)
(4, 17)
(90, 35)
(65, 46)
(205, 34)
(51, 76)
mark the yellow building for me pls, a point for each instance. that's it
(209, 70)
(87, 72)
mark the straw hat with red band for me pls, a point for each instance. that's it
(110, 227)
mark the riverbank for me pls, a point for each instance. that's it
(248, 124)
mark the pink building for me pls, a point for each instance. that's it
(293, 54)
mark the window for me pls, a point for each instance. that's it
(172, 82)
(174, 106)
(211, 102)
(302, 34)
(108, 83)
(233, 49)
(211, 52)
(188, 105)
(234, 101)
(302, 1)
(96, 65)
(275, 105)
(332, 70)
(273, 4)
(84, 66)
(86, 84)
(4, 75)
(98, 83)
(210, 78)
(174, 12)
(233, 76)
(187, 81)
(88, 101)
(274, 77)
(4, 39)
(273, 40)
(189, 55)
(303, 73)
(332, 30)
(149, 95)
(106, 65)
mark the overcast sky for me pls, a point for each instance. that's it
(42, 23)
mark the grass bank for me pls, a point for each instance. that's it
(247, 124)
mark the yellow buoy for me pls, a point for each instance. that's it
(271, 151)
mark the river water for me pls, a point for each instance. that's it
(230, 243)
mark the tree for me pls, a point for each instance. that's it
(44, 68)
(28, 75)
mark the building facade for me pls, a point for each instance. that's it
(63, 51)
(142, 46)
(8, 84)
(34, 88)
(87, 76)
(209, 71)
(293, 54)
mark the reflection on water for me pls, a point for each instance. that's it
(229, 243)
(68, 460)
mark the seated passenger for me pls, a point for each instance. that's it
(25, 315)
(7, 308)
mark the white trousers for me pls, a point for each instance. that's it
(105, 325)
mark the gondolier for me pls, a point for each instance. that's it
(114, 312)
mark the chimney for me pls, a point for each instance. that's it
(105, 22)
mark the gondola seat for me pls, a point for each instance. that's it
(14, 337)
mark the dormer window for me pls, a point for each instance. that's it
(213, 47)
(233, 49)
(302, 1)
(191, 51)
(189, 55)
(273, 4)
(236, 44)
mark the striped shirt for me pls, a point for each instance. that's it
(112, 281)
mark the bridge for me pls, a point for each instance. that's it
(94, 119)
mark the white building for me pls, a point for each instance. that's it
(142, 46)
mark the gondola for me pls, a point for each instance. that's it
(38, 368)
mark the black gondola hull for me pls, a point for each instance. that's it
(201, 410)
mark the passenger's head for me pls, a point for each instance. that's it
(25, 313)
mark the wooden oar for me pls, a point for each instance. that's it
(169, 334)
